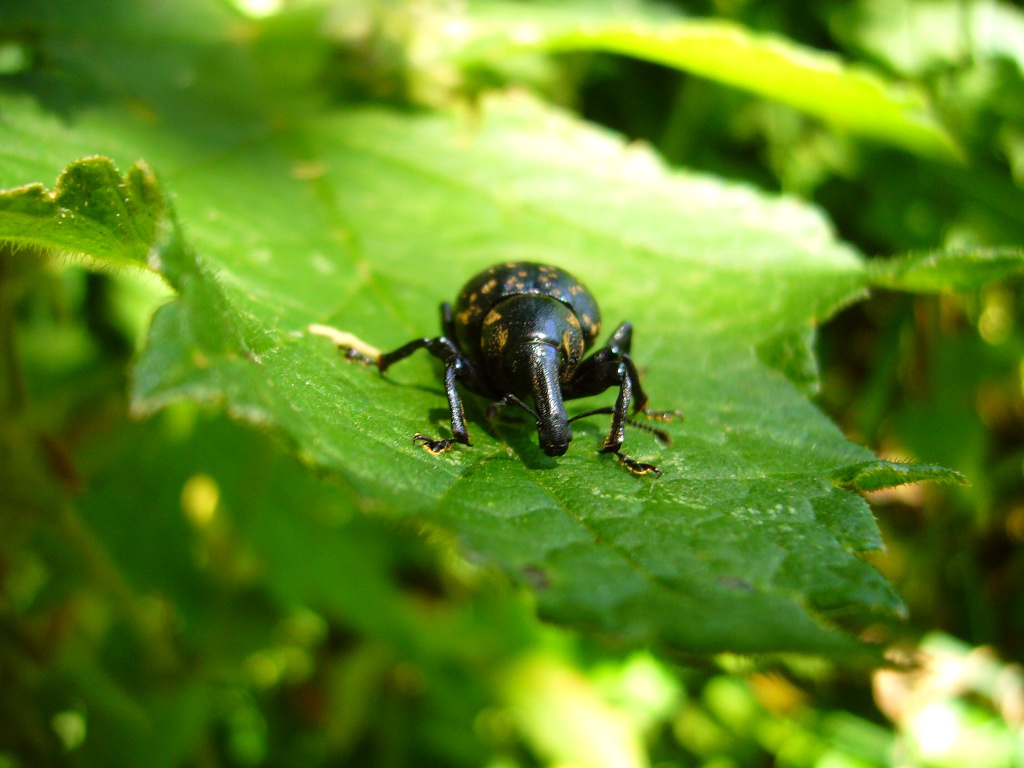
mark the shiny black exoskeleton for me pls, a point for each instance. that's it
(520, 330)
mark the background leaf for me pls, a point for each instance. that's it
(816, 82)
(875, 475)
(962, 270)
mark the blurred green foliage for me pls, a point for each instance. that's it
(181, 590)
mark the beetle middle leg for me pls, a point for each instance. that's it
(456, 368)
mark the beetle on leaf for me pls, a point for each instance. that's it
(520, 330)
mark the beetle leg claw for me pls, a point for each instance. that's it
(662, 415)
(638, 467)
(634, 466)
(435, 447)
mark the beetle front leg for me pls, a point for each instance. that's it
(640, 401)
(617, 433)
(619, 347)
(598, 376)
(456, 368)
(459, 432)
(616, 351)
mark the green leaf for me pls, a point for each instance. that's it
(847, 96)
(92, 210)
(162, 731)
(792, 354)
(876, 475)
(565, 718)
(955, 270)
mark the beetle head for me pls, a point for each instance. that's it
(532, 344)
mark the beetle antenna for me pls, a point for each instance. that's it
(595, 412)
(510, 399)
(661, 435)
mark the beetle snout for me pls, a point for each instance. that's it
(555, 441)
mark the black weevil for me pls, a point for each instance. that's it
(520, 330)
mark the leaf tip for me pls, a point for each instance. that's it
(880, 474)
